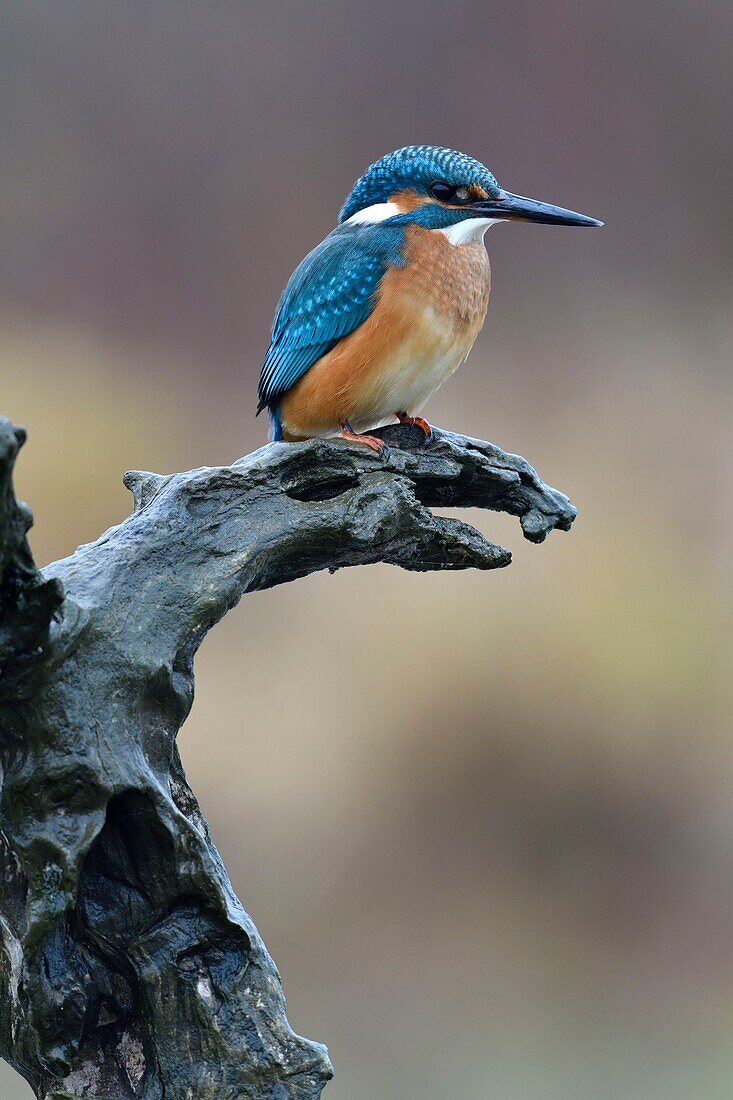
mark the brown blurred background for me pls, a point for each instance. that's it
(483, 822)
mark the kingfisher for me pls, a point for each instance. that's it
(389, 305)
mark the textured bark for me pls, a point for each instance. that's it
(128, 968)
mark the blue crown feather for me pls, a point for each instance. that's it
(415, 168)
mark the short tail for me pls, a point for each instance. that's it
(276, 427)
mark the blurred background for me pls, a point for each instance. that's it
(483, 822)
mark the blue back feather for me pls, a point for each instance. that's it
(328, 296)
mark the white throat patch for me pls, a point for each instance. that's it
(471, 229)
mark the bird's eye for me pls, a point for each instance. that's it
(442, 191)
(446, 192)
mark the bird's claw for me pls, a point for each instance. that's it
(371, 441)
(418, 422)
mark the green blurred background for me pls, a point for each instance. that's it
(483, 822)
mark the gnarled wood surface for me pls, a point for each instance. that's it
(128, 968)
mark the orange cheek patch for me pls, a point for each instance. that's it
(477, 193)
(406, 201)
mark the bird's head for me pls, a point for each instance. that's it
(441, 189)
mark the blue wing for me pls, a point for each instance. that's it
(328, 296)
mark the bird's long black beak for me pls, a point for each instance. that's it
(508, 207)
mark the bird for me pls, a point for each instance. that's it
(389, 304)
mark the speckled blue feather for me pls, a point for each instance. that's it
(415, 167)
(327, 297)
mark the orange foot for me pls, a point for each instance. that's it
(372, 441)
(418, 422)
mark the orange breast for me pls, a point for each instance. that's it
(454, 279)
(426, 318)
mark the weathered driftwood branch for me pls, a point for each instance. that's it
(127, 966)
